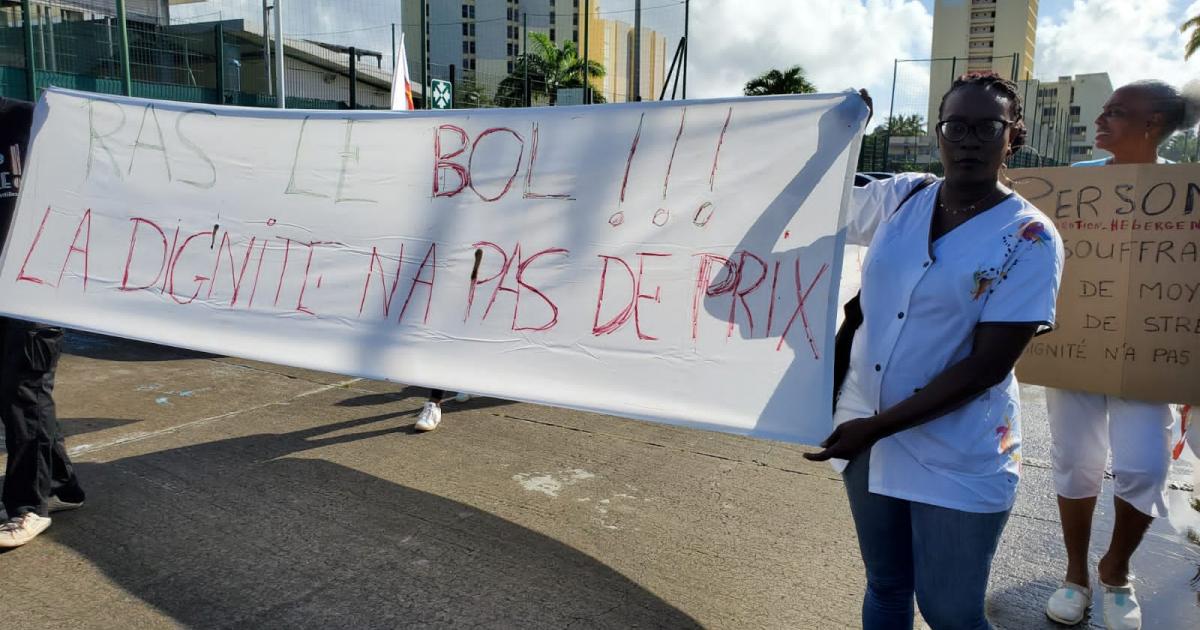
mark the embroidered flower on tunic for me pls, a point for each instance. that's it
(1033, 232)
(984, 279)
(1036, 232)
(1005, 431)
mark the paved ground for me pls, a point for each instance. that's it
(227, 493)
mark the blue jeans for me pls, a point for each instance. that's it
(942, 555)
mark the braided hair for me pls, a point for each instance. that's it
(992, 81)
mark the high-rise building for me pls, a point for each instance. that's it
(975, 35)
(611, 44)
(483, 39)
(1061, 115)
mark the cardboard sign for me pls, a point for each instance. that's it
(1129, 306)
(662, 261)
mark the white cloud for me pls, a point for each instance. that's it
(840, 43)
(1129, 40)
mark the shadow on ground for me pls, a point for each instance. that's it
(449, 405)
(103, 347)
(247, 532)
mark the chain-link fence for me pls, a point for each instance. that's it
(210, 51)
(905, 139)
(336, 54)
(341, 55)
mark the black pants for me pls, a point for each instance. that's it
(38, 466)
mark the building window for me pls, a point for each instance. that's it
(1074, 110)
(1049, 111)
(553, 35)
(982, 15)
(982, 43)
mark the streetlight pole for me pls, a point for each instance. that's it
(30, 60)
(424, 57)
(266, 43)
(525, 47)
(636, 92)
(687, 42)
(123, 31)
(280, 95)
(587, 76)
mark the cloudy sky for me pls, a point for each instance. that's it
(840, 43)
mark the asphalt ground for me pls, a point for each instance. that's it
(230, 493)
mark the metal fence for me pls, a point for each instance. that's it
(904, 138)
(218, 51)
(81, 44)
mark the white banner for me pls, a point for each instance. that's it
(669, 262)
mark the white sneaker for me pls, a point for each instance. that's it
(1068, 605)
(462, 397)
(22, 529)
(430, 418)
(1121, 610)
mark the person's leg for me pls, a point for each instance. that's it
(30, 355)
(1079, 432)
(952, 559)
(882, 524)
(1141, 446)
(431, 413)
(64, 485)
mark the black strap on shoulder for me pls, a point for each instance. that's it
(928, 181)
(854, 315)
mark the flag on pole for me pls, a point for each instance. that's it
(402, 97)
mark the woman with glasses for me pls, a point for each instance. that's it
(1136, 119)
(960, 275)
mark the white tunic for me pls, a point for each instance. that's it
(921, 303)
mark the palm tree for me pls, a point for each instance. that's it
(1193, 43)
(790, 81)
(913, 125)
(549, 68)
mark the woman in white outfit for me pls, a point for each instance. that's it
(959, 276)
(1084, 426)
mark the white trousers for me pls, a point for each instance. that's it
(1084, 426)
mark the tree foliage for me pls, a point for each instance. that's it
(549, 68)
(1193, 40)
(789, 81)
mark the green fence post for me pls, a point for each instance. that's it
(30, 65)
(219, 42)
(123, 31)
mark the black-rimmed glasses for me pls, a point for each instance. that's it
(986, 130)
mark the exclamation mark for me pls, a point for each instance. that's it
(618, 217)
(671, 162)
(712, 178)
